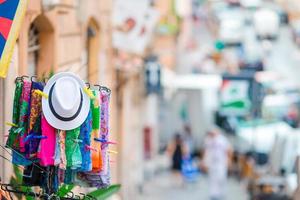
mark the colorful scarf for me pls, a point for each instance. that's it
(97, 163)
(73, 154)
(35, 132)
(24, 113)
(18, 158)
(62, 142)
(104, 133)
(47, 145)
(13, 139)
(85, 145)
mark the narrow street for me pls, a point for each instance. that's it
(162, 188)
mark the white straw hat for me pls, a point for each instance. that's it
(67, 105)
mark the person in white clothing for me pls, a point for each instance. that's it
(217, 155)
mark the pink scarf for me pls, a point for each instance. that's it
(47, 146)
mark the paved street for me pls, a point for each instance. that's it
(162, 188)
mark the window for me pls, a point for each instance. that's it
(33, 50)
(93, 45)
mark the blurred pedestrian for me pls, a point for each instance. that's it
(189, 140)
(217, 155)
(177, 150)
(292, 116)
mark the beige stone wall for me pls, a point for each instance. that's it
(63, 37)
(131, 138)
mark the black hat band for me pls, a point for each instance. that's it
(66, 119)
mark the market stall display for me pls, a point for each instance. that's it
(60, 132)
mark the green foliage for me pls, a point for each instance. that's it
(65, 189)
(102, 194)
(16, 179)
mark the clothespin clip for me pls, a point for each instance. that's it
(40, 137)
(90, 148)
(89, 92)
(28, 137)
(99, 140)
(32, 136)
(111, 142)
(77, 140)
(11, 124)
(104, 141)
(39, 92)
(111, 151)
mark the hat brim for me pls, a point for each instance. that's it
(50, 117)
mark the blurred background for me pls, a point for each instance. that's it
(205, 93)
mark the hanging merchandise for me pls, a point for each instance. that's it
(100, 175)
(34, 131)
(73, 154)
(11, 16)
(60, 133)
(96, 154)
(104, 133)
(47, 145)
(85, 145)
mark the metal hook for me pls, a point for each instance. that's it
(83, 196)
(54, 196)
(69, 195)
(18, 79)
(88, 85)
(2, 188)
(98, 86)
(32, 78)
(24, 76)
(45, 195)
(106, 89)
